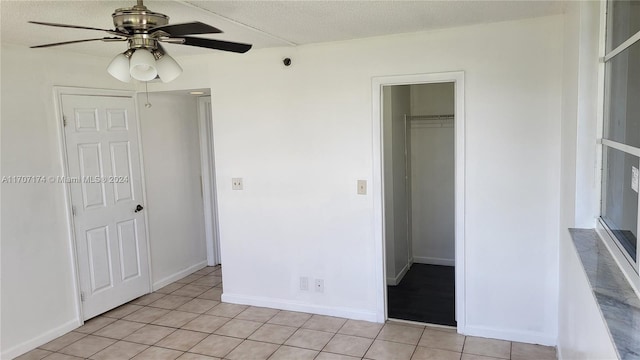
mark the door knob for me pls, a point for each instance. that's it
(138, 208)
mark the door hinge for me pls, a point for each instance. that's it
(73, 210)
(64, 120)
(81, 295)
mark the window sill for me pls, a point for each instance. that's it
(619, 304)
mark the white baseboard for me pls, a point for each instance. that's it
(40, 340)
(434, 261)
(355, 314)
(511, 335)
(395, 281)
(178, 275)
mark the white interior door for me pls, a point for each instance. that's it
(105, 178)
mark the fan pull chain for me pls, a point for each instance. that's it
(146, 89)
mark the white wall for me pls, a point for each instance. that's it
(397, 202)
(301, 137)
(38, 299)
(432, 176)
(581, 330)
(171, 150)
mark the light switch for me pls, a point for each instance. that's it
(362, 187)
(236, 184)
(634, 178)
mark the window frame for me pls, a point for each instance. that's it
(630, 268)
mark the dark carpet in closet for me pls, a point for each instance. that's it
(425, 294)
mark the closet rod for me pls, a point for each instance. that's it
(431, 117)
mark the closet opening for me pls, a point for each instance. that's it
(418, 137)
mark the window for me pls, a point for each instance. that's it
(621, 133)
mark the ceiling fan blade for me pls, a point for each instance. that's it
(211, 44)
(190, 28)
(77, 41)
(113, 32)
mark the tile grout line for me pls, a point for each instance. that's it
(464, 343)
(72, 331)
(244, 339)
(416, 347)
(374, 339)
(325, 345)
(510, 349)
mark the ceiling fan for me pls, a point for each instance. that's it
(144, 30)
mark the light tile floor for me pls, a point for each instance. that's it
(186, 320)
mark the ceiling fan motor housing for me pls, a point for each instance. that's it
(138, 19)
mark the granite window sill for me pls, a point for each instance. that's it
(619, 304)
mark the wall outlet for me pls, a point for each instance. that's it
(362, 187)
(236, 184)
(634, 178)
(319, 286)
(304, 283)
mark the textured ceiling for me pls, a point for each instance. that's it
(305, 22)
(261, 23)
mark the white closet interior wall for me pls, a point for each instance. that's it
(432, 173)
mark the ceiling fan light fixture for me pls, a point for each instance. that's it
(168, 69)
(144, 29)
(119, 67)
(142, 65)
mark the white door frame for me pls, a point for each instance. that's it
(58, 92)
(456, 77)
(207, 161)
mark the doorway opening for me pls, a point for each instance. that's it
(187, 124)
(421, 201)
(418, 136)
(129, 235)
(177, 140)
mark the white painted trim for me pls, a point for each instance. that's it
(377, 190)
(624, 262)
(62, 148)
(143, 177)
(434, 326)
(58, 92)
(178, 275)
(460, 166)
(597, 191)
(40, 339)
(396, 280)
(529, 337)
(622, 47)
(377, 193)
(349, 313)
(622, 147)
(207, 163)
(434, 261)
